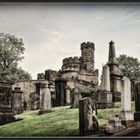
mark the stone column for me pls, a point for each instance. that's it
(17, 100)
(137, 102)
(126, 111)
(88, 123)
(68, 95)
(45, 98)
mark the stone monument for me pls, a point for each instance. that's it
(45, 98)
(88, 124)
(17, 100)
(116, 74)
(105, 96)
(6, 110)
(60, 90)
(126, 111)
(137, 102)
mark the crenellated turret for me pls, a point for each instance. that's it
(87, 56)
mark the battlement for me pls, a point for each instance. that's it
(71, 60)
(87, 45)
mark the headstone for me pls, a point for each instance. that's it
(17, 100)
(105, 95)
(34, 101)
(6, 110)
(114, 125)
(126, 111)
(45, 99)
(137, 102)
(60, 89)
(75, 97)
(88, 124)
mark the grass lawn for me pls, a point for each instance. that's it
(62, 121)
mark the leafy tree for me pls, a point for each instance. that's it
(11, 51)
(130, 67)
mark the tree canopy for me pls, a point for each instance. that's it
(130, 66)
(11, 53)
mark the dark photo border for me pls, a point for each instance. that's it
(70, 1)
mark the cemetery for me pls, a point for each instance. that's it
(71, 102)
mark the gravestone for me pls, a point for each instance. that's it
(105, 95)
(6, 111)
(126, 111)
(60, 90)
(45, 98)
(75, 96)
(17, 100)
(114, 125)
(88, 124)
(34, 101)
(137, 102)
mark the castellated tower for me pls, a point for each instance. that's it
(87, 56)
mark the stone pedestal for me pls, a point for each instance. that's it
(126, 112)
(68, 96)
(88, 124)
(105, 100)
(137, 102)
(45, 99)
(17, 100)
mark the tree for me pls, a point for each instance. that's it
(11, 51)
(130, 67)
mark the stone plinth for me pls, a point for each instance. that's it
(126, 112)
(105, 100)
(137, 102)
(68, 96)
(17, 100)
(45, 99)
(88, 123)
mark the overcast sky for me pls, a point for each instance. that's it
(52, 32)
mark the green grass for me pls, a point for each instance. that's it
(62, 121)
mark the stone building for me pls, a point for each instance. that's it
(81, 69)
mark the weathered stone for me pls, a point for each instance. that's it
(137, 102)
(34, 101)
(68, 95)
(126, 111)
(6, 110)
(17, 100)
(45, 98)
(76, 96)
(114, 125)
(105, 84)
(60, 88)
(116, 74)
(88, 124)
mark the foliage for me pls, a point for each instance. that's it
(130, 67)
(11, 51)
(62, 121)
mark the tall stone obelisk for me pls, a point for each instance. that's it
(116, 74)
